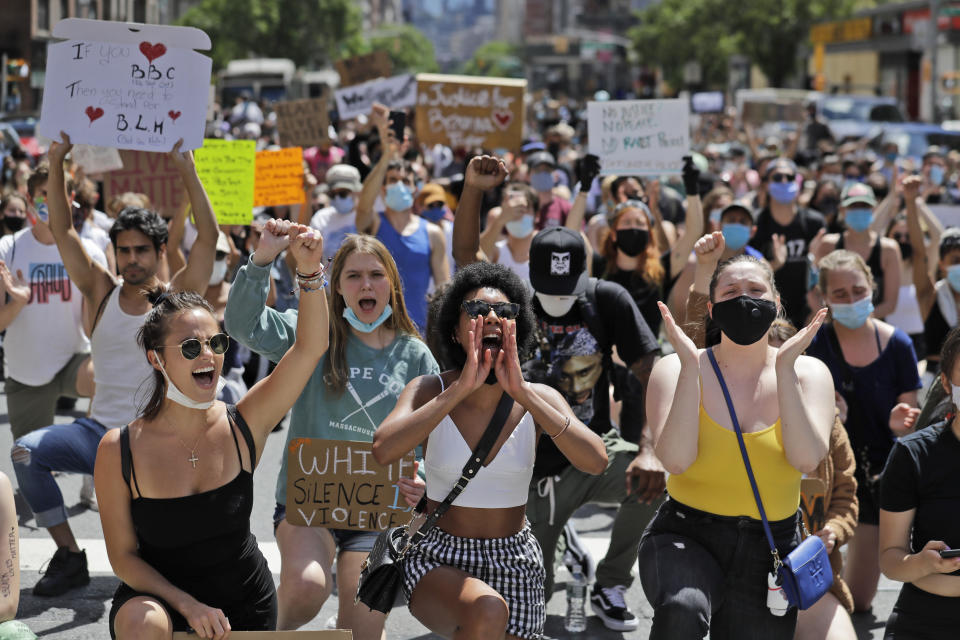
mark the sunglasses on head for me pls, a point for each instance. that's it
(504, 310)
(191, 348)
(783, 177)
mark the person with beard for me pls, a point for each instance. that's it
(113, 312)
(704, 559)
(479, 572)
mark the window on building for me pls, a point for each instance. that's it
(64, 9)
(87, 9)
(43, 15)
(139, 10)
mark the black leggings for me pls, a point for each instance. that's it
(919, 615)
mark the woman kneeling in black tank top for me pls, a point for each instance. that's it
(176, 485)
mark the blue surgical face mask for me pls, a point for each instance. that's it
(715, 215)
(936, 174)
(541, 181)
(434, 214)
(521, 228)
(890, 157)
(342, 204)
(366, 327)
(736, 235)
(953, 277)
(784, 192)
(859, 219)
(399, 197)
(854, 314)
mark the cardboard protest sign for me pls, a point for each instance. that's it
(328, 634)
(639, 137)
(759, 113)
(95, 159)
(303, 123)
(813, 508)
(467, 111)
(948, 214)
(126, 85)
(335, 483)
(360, 69)
(226, 169)
(278, 178)
(397, 92)
(151, 173)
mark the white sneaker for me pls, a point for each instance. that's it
(88, 494)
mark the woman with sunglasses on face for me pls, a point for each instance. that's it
(875, 374)
(175, 486)
(704, 559)
(374, 351)
(479, 572)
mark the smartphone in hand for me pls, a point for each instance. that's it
(398, 122)
(950, 553)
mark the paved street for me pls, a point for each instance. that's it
(82, 614)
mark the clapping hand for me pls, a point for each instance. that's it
(16, 287)
(791, 349)
(684, 347)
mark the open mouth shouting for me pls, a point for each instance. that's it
(204, 377)
(367, 304)
(492, 341)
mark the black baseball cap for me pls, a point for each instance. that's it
(558, 262)
(541, 157)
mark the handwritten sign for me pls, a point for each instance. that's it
(813, 506)
(464, 111)
(948, 214)
(334, 483)
(758, 113)
(397, 92)
(639, 137)
(707, 102)
(95, 159)
(327, 634)
(128, 86)
(278, 178)
(226, 169)
(151, 173)
(304, 122)
(359, 69)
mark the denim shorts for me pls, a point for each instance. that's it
(345, 539)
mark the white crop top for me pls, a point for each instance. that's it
(503, 483)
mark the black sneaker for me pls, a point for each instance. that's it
(608, 603)
(66, 570)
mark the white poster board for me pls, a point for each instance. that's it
(639, 137)
(397, 92)
(948, 214)
(126, 85)
(96, 159)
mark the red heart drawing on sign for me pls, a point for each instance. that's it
(503, 119)
(93, 114)
(173, 114)
(152, 51)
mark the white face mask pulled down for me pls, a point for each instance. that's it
(174, 394)
(556, 306)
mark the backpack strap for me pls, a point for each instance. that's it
(590, 314)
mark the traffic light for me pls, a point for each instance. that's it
(17, 69)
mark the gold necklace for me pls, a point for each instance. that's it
(193, 459)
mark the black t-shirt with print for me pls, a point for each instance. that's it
(922, 473)
(791, 278)
(570, 359)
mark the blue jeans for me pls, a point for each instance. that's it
(59, 447)
(707, 573)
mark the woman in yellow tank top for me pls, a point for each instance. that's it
(704, 560)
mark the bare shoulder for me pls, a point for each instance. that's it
(425, 388)
(885, 330)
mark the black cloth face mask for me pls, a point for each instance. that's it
(14, 223)
(743, 319)
(632, 242)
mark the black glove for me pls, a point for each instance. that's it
(587, 171)
(691, 177)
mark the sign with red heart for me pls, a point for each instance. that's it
(92, 113)
(152, 51)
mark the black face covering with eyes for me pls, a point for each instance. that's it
(744, 319)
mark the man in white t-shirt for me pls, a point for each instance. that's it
(340, 218)
(42, 313)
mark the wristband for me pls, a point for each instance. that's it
(566, 425)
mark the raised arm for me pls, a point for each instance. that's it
(709, 248)
(483, 173)
(367, 219)
(439, 264)
(195, 276)
(922, 280)
(270, 399)
(935, 231)
(175, 231)
(891, 262)
(586, 172)
(693, 221)
(497, 219)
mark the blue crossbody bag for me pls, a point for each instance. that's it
(805, 574)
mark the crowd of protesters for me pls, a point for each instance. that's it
(413, 290)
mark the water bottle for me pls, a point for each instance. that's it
(576, 620)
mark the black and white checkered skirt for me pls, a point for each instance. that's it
(512, 566)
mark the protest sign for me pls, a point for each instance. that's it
(303, 123)
(278, 178)
(467, 111)
(359, 69)
(226, 169)
(707, 102)
(639, 137)
(126, 85)
(96, 159)
(760, 113)
(397, 92)
(813, 508)
(338, 484)
(948, 214)
(151, 173)
(327, 634)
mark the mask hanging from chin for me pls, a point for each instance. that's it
(367, 327)
(175, 395)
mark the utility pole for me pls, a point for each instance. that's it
(932, 37)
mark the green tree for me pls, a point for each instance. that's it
(410, 51)
(309, 32)
(496, 59)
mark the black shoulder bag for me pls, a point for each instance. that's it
(381, 573)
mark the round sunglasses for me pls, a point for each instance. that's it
(191, 348)
(505, 310)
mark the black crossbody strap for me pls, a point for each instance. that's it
(474, 463)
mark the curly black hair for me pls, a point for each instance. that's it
(479, 275)
(147, 222)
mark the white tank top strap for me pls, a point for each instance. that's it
(442, 387)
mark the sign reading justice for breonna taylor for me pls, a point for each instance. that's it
(126, 85)
(639, 137)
